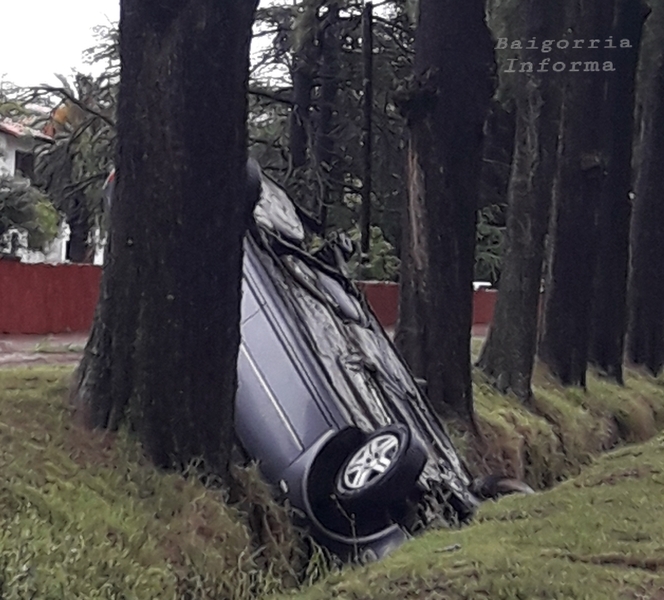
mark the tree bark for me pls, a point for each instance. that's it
(609, 311)
(454, 68)
(303, 83)
(78, 248)
(329, 83)
(162, 353)
(367, 122)
(509, 351)
(645, 336)
(305, 56)
(582, 159)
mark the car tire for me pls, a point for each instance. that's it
(381, 472)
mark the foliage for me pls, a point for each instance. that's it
(289, 29)
(381, 264)
(73, 169)
(393, 38)
(25, 207)
(489, 248)
(84, 515)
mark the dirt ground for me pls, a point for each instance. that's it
(25, 350)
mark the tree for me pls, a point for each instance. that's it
(162, 352)
(326, 157)
(564, 337)
(645, 335)
(509, 351)
(305, 55)
(367, 126)
(24, 207)
(609, 309)
(294, 136)
(446, 110)
(72, 170)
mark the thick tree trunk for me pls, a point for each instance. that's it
(609, 312)
(163, 349)
(645, 336)
(454, 67)
(581, 162)
(508, 353)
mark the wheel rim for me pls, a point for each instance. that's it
(370, 462)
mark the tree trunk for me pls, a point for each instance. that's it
(303, 83)
(329, 83)
(162, 353)
(305, 57)
(645, 335)
(454, 66)
(609, 311)
(79, 230)
(581, 163)
(367, 122)
(509, 351)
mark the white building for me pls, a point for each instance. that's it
(17, 142)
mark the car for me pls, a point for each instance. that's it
(325, 405)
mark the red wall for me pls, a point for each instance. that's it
(484, 301)
(383, 297)
(384, 300)
(45, 299)
(42, 298)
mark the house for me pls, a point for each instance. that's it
(17, 142)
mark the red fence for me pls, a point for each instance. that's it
(384, 300)
(44, 298)
(61, 298)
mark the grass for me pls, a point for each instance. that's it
(563, 429)
(595, 537)
(82, 515)
(49, 347)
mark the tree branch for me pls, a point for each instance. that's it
(67, 96)
(270, 96)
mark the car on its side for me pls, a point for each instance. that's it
(325, 404)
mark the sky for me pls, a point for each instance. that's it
(41, 37)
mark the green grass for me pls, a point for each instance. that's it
(83, 515)
(49, 347)
(599, 536)
(563, 429)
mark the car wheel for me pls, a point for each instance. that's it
(382, 471)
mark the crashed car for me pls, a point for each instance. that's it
(325, 405)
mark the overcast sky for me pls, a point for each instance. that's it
(41, 37)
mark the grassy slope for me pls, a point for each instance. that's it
(599, 536)
(82, 516)
(564, 429)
